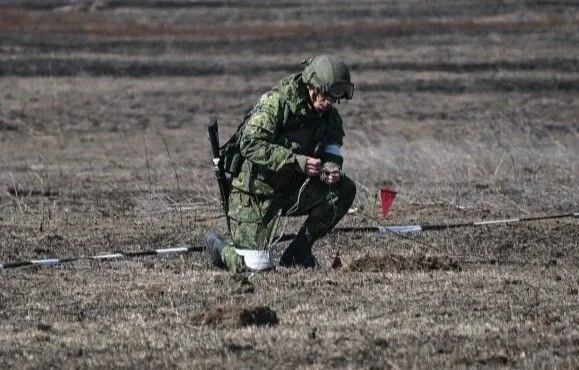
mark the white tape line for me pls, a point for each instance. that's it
(490, 222)
(108, 256)
(51, 261)
(171, 250)
(399, 229)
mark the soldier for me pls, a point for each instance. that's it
(290, 143)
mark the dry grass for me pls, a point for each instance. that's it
(103, 149)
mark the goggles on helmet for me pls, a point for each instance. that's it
(339, 89)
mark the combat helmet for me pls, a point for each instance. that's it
(329, 74)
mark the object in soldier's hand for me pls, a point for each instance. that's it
(331, 175)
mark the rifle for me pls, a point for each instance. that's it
(213, 134)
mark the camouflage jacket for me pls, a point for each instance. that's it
(280, 130)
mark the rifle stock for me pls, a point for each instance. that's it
(213, 135)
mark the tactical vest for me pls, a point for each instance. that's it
(298, 128)
(301, 136)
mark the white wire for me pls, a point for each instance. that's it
(291, 210)
(294, 208)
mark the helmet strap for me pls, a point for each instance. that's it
(315, 93)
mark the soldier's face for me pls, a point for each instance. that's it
(321, 102)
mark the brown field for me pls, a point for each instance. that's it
(468, 109)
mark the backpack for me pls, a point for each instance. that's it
(230, 153)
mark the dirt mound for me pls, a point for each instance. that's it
(399, 263)
(237, 317)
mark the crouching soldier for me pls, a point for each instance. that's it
(290, 144)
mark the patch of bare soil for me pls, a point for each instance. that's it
(402, 263)
(102, 25)
(236, 317)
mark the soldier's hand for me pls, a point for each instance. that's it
(313, 166)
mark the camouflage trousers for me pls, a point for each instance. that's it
(255, 220)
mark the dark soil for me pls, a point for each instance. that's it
(400, 263)
(235, 317)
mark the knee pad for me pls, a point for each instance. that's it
(256, 260)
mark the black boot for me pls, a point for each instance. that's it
(299, 252)
(214, 249)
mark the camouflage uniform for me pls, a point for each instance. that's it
(280, 132)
